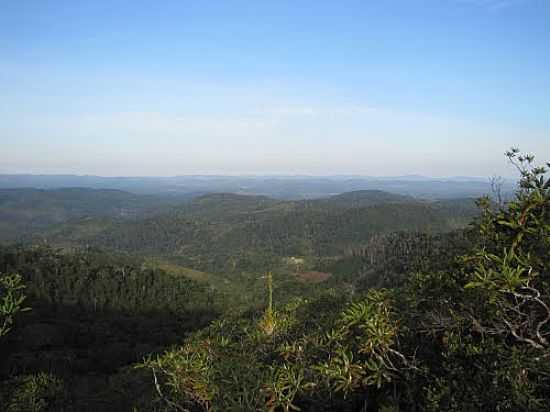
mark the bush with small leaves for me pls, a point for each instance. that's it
(11, 300)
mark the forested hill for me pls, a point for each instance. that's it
(228, 232)
(25, 211)
(361, 198)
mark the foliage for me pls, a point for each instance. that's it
(100, 282)
(462, 333)
(92, 314)
(485, 325)
(33, 393)
(11, 300)
(512, 270)
(434, 321)
(234, 365)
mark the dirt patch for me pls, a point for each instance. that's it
(314, 276)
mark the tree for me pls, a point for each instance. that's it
(487, 324)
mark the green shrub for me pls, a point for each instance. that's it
(11, 300)
(33, 393)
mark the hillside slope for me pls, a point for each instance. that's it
(227, 232)
(25, 211)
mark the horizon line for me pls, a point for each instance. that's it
(266, 175)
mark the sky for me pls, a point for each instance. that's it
(379, 88)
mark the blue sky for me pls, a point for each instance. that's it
(433, 87)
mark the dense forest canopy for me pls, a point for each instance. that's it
(222, 232)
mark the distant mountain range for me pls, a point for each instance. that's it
(278, 187)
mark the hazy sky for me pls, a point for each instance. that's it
(433, 87)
